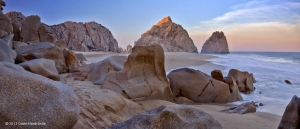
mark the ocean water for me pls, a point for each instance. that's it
(270, 70)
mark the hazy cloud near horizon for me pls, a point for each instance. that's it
(255, 26)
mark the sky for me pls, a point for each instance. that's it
(249, 25)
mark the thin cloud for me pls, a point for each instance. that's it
(255, 12)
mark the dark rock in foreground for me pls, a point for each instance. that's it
(143, 76)
(28, 97)
(170, 117)
(291, 115)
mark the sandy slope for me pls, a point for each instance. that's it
(98, 109)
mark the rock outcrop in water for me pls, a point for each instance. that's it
(217, 43)
(171, 36)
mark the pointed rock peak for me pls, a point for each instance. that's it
(166, 19)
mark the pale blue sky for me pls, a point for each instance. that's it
(128, 19)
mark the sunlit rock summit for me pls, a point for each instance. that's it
(217, 43)
(171, 36)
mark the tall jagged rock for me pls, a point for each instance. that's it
(171, 36)
(217, 43)
(89, 36)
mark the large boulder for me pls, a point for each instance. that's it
(217, 74)
(44, 67)
(42, 50)
(6, 27)
(98, 71)
(46, 35)
(6, 53)
(9, 40)
(170, 117)
(71, 60)
(244, 80)
(197, 87)
(80, 56)
(171, 36)
(291, 115)
(17, 19)
(217, 43)
(30, 27)
(143, 76)
(89, 36)
(61, 44)
(27, 97)
(18, 44)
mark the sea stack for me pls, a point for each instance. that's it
(216, 43)
(171, 36)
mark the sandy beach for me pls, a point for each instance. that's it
(89, 93)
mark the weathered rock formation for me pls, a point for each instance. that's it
(248, 107)
(44, 67)
(17, 19)
(6, 53)
(42, 50)
(291, 115)
(6, 27)
(197, 87)
(80, 36)
(170, 117)
(244, 80)
(28, 97)
(143, 76)
(217, 43)
(72, 62)
(171, 36)
(89, 36)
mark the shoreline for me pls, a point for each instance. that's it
(204, 63)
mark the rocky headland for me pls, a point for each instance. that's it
(217, 43)
(171, 36)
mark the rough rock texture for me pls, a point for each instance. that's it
(17, 19)
(17, 44)
(9, 40)
(217, 43)
(6, 27)
(100, 108)
(42, 50)
(291, 115)
(30, 27)
(99, 71)
(244, 80)
(6, 53)
(217, 74)
(143, 76)
(170, 117)
(244, 108)
(195, 86)
(44, 67)
(28, 97)
(46, 35)
(80, 56)
(72, 62)
(89, 36)
(61, 44)
(171, 36)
